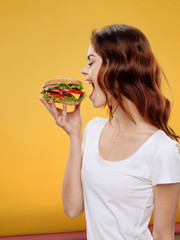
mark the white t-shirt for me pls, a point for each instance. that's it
(118, 196)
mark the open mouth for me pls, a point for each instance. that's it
(90, 82)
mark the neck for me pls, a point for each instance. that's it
(122, 124)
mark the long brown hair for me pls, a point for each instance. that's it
(132, 72)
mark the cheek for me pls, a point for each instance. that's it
(94, 70)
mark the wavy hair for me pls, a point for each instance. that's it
(130, 69)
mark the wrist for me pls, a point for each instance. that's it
(76, 135)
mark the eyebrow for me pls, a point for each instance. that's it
(88, 57)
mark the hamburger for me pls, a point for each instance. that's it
(64, 90)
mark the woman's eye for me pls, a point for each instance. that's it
(90, 63)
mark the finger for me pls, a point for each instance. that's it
(54, 109)
(46, 104)
(64, 115)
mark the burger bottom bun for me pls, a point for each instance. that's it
(65, 101)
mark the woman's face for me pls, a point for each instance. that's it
(91, 71)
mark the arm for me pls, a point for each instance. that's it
(70, 122)
(72, 193)
(166, 199)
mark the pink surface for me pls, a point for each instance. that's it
(65, 236)
(50, 236)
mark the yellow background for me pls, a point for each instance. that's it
(41, 40)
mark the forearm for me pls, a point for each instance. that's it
(72, 193)
(164, 236)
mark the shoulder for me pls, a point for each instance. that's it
(159, 150)
(162, 142)
(91, 130)
(96, 123)
(167, 152)
(165, 165)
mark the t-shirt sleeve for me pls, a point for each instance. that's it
(166, 165)
(85, 135)
(87, 129)
(84, 138)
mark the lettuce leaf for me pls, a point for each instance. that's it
(78, 87)
(82, 96)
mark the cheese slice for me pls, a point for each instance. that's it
(76, 95)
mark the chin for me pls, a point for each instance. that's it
(98, 105)
(98, 101)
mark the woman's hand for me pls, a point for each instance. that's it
(69, 121)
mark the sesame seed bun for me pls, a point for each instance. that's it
(62, 80)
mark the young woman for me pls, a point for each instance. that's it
(129, 163)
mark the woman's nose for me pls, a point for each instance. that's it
(84, 71)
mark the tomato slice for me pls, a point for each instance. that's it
(70, 91)
(57, 95)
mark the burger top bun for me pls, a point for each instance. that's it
(62, 80)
